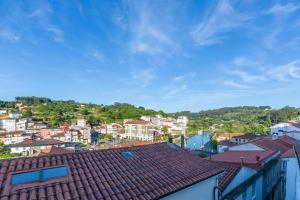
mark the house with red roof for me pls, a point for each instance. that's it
(155, 171)
(249, 175)
(29, 146)
(285, 145)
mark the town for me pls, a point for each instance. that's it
(149, 99)
(236, 166)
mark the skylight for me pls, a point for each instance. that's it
(39, 175)
(127, 154)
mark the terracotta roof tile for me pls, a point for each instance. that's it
(155, 171)
(252, 159)
(139, 122)
(288, 154)
(268, 143)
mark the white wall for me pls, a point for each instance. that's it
(243, 175)
(253, 191)
(292, 176)
(199, 191)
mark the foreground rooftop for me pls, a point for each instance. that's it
(142, 172)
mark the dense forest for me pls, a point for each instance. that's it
(58, 112)
(247, 119)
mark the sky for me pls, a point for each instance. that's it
(167, 55)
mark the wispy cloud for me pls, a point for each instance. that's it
(286, 72)
(144, 77)
(148, 34)
(148, 38)
(224, 18)
(57, 34)
(281, 13)
(8, 34)
(98, 55)
(235, 85)
(184, 77)
(246, 77)
(283, 9)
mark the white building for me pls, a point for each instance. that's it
(22, 124)
(183, 120)
(81, 122)
(14, 115)
(15, 137)
(139, 130)
(3, 112)
(290, 128)
(8, 124)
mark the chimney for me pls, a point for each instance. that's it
(242, 161)
(257, 158)
(274, 136)
(170, 140)
(182, 141)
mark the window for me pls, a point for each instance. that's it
(127, 154)
(39, 175)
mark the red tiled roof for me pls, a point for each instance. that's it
(252, 159)
(52, 150)
(288, 154)
(286, 140)
(245, 136)
(30, 142)
(230, 171)
(60, 134)
(139, 122)
(268, 143)
(155, 171)
(121, 145)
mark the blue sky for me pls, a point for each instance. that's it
(169, 55)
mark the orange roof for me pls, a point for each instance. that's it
(139, 122)
(252, 159)
(53, 150)
(121, 145)
(288, 154)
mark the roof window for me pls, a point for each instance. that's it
(39, 175)
(127, 154)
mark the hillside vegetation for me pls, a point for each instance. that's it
(247, 119)
(58, 112)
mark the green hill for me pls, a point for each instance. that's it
(58, 112)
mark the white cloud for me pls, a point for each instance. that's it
(242, 61)
(144, 77)
(184, 77)
(246, 77)
(149, 39)
(286, 72)
(235, 85)
(57, 34)
(148, 33)
(8, 34)
(282, 9)
(98, 55)
(223, 19)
